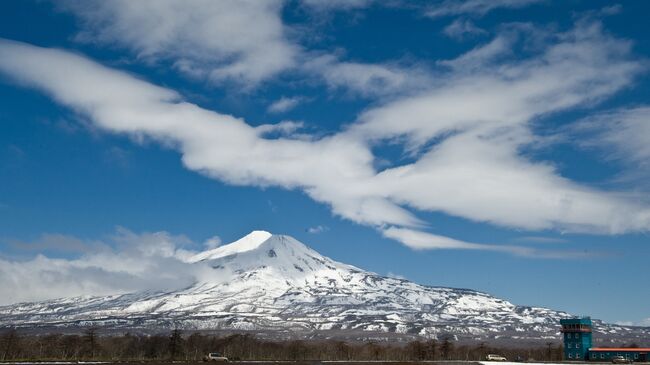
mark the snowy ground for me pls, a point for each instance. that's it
(530, 363)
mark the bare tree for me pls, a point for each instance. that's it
(446, 348)
(175, 343)
(431, 348)
(90, 338)
(9, 344)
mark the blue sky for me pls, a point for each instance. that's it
(495, 145)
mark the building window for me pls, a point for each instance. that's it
(602, 356)
(577, 355)
(578, 345)
(570, 355)
(636, 356)
(593, 356)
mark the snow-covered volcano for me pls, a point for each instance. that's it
(266, 282)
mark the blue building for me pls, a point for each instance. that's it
(578, 346)
(577, 338)
(606, 353)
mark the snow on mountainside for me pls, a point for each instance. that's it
(266, 282)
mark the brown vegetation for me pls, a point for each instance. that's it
(92, 345)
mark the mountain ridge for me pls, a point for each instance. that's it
(275, 283)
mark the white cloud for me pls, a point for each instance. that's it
(244, 41)
(466, 133)
(317, 229)
(462, 28)
(240, 40)
(336, 4)
(284, 104)
(642, 323)
(539, 239)
(212, 243)
(391, 274)
(419, 240)
(426, 241)
(611, 10)
(367, 79)
(481, 121)
(478, 58)
(622, 134)
(217, 145)
(284, 128)
(475, 7)
(122, 263)
(581, 67)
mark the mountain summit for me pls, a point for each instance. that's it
(249, 242)
(264, 282)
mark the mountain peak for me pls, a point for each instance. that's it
(249, 242)
(255, 238)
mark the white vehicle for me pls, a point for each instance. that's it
(495, 357)
(215, 356)
(620, 360)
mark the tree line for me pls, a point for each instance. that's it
(177, 345)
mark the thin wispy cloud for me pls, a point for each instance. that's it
(285, 104)
(212, 243)
(642, 323)
(317, 229)
(475, 7)
(367, 80)
(119, 157)
(460, 29)
(541, 240)
(427, 241)
(391, 274)
(620, 134)
(57, 243)
(322, 5)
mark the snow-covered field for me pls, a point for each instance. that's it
(517, 363)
